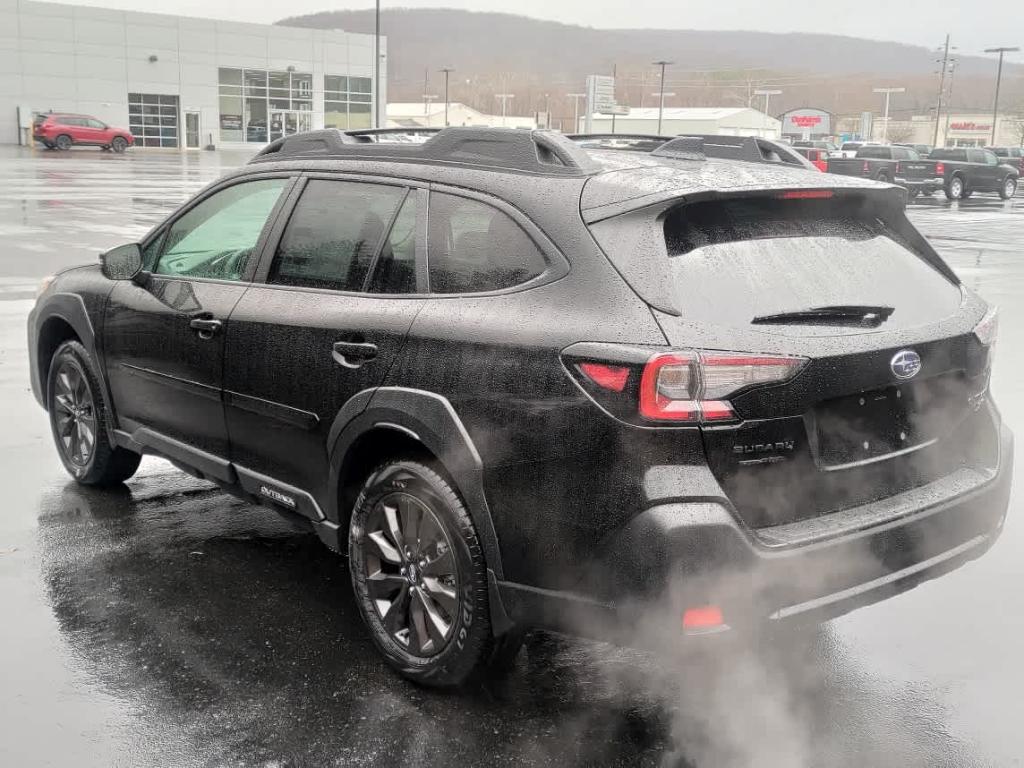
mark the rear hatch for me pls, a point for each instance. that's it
(888, 391)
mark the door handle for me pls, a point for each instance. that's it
(208, 327)
(352, 354)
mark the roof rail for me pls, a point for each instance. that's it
(537, 152)
(697, 147)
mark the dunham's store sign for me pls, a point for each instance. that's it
(806, 123)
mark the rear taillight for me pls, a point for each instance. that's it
(898, 166)
(610, 377)
(866, 168)
(694, 386)
(940, 169)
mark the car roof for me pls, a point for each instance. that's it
(604, 180)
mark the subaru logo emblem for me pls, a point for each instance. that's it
(905, 364)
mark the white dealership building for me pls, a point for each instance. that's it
(179, 82)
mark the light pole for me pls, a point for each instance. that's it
(885, 125)
(942, 84)
(504, 104)
(576, 110)
(376, 65)
(661, 92)
(767, 96)
(447, 71)
(999, 79)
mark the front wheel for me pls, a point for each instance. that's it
(420, 578)
(119, 144)
(955, 189)
(1009, 188)
(79, 421)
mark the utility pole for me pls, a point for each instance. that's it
(504, 104)
(427, 98)
(999, 79)
(949, 94)
(447, 71)
(615, 68)
(885, 125)
(576, 110)
(942, 85)
(376, 65)
(661, 92)
(767, 93)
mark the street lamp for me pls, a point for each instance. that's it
(504, 104)
(885, 125)
(661, 90)
(767, 95)
(999, 78)
(447, 71)
(376, 65)
(576, 110)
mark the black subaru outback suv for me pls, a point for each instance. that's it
(598, 385)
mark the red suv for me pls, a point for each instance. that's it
(60, 131)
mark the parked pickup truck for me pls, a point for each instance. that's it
(897, 165)
(965, 170)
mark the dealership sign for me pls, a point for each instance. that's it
(807, 123)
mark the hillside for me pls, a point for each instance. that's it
(496, 52)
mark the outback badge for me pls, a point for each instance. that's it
(905, 364)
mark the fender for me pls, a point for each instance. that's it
(69, 307)
(434, 422)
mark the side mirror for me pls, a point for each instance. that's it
(122, 263)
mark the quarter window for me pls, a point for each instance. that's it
(333, 234)
(217, 237)
(473, 247)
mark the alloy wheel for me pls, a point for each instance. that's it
(74, 415)
(957, 188)
(1011, 188)
(410, 573)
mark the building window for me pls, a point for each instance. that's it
(153, 119)
(347, 102)
(258, 106)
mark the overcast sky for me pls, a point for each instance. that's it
(974, 26)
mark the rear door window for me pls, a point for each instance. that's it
(473, 247)
(334, 233)
(729, 262)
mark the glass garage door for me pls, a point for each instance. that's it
(153, 119)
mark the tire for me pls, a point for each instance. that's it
(397, 601)
(119, 144)
(63, 142)
(955, 189)
(883, 177)
(80, 421)
(1008, 188)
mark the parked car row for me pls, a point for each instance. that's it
(958, 171)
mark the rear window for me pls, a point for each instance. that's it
(732, 261)
(877, 153)
(949, 154)
(851, 146)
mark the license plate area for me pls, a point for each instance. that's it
(866, 426)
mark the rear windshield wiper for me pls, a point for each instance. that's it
(864, 315)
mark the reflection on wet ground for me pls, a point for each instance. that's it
(169, 624)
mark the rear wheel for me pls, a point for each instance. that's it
(119, 144)
(883, 177)
(955, 188)
(1009, 188)
(420, 578)
(63, 142)
(79, 421)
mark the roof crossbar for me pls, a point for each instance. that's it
(538, 152)
(696, 147)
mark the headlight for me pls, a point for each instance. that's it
(44, 285)
(985, 330)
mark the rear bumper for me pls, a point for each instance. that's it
(921, 185)
(690, 554)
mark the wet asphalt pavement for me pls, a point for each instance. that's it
(169, 624)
